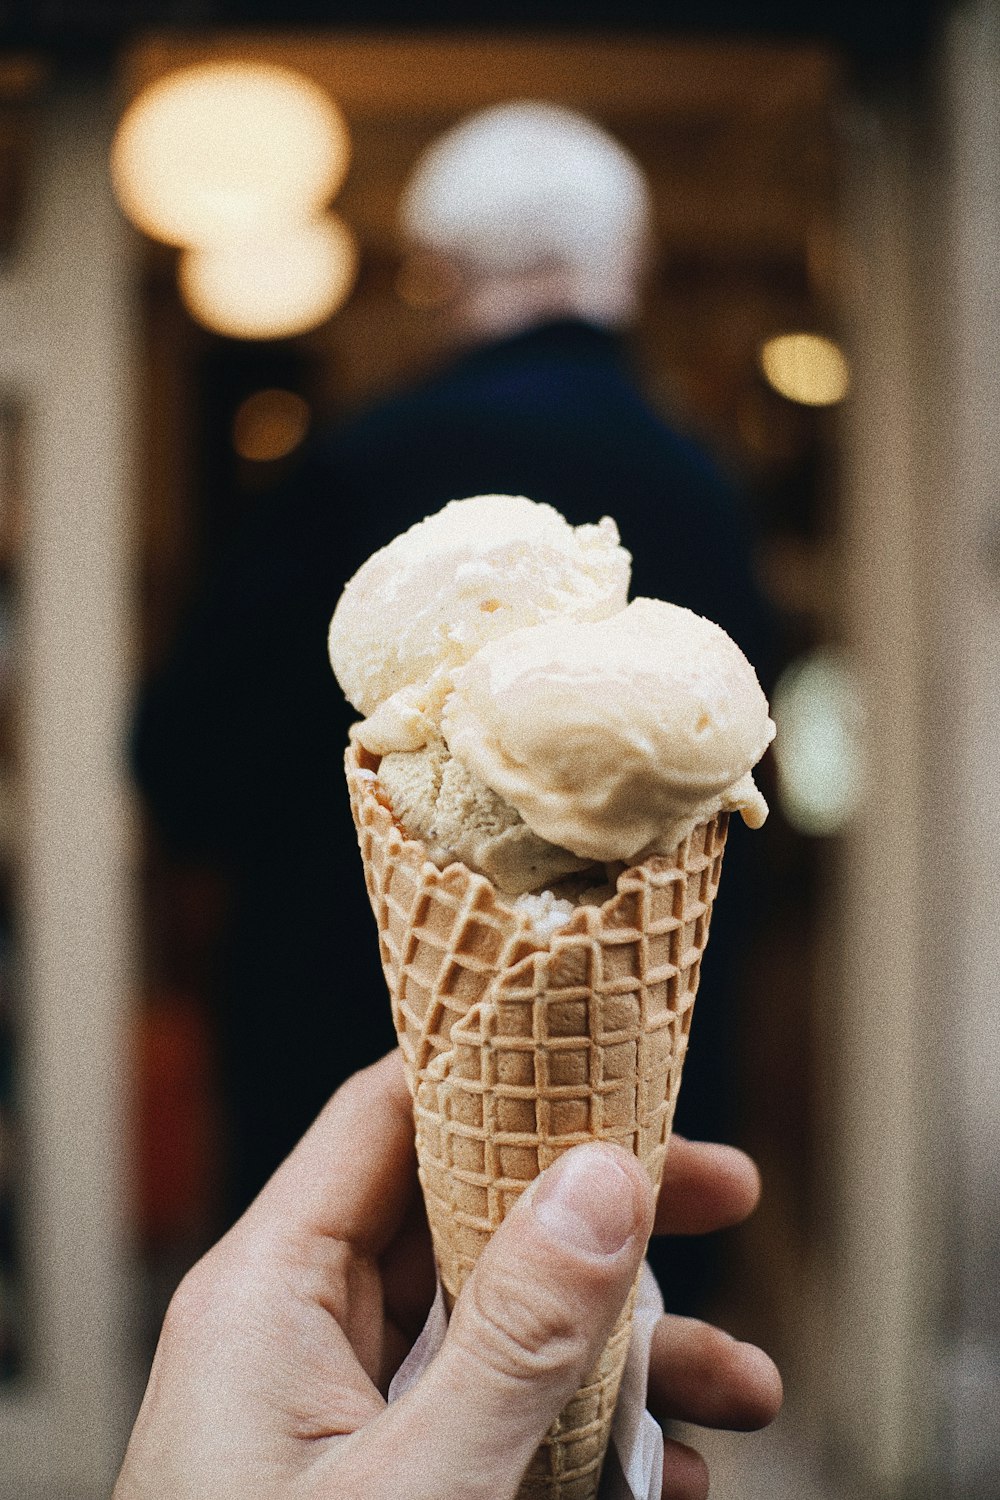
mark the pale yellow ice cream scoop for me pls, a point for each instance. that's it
(474, 571)
(613, 738)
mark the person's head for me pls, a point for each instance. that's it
(541, 214)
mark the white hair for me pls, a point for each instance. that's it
(542, 210)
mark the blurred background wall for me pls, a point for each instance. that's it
(67, 382)
(833, 172)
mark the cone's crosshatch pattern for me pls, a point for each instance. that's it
(518, 1049)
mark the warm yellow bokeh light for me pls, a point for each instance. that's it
(227, 149)
(269, 425)
(270, 286)
(806, 367)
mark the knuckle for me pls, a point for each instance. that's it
(525, 1331)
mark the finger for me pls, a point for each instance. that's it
(528, 1326)
(705, 1187)
(408, 1275)
(699, 1374)
(352, 1177)
(336, 1203)
(685, 1472)
(408, 1285)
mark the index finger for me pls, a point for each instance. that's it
(705, 1187)
(353, 1175)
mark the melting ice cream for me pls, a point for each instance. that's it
(531, 723)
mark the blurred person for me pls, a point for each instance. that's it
(272, 1369)
(546, 225)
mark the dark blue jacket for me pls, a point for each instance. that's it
(238, 742)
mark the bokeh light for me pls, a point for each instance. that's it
(817, 710)
(269, 425)
(270, 286)
(806, 367)
(227, 149)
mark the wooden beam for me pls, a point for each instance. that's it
(386, 76)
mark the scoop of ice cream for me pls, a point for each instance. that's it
(437, 799)
(615, 737)
(473, 572)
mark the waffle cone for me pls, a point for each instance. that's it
(516, 1050)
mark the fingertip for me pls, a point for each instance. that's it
(752, 1178)
(352, 1175)
(685, 1472)
(384, 1081)
(397, 1082)
(595, 1200)
(388, 1074)
(705, 1187)
(702, 1375)
(762, 1388)
(743, 1176)
(380, 1088)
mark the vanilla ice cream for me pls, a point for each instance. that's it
(476, 570)
(615, 737)
(530, 723)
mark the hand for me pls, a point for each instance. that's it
(278, 1346)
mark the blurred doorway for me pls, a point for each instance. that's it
(781, 206)
(740, 144)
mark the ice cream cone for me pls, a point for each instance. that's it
(517, 1048)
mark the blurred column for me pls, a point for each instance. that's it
(65, 356)
(910, 1358)
(873, 1358)
(967, 550)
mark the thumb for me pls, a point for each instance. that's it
(529, 1325)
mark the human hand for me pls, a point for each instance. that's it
(279, 1344)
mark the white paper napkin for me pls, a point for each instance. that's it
(633, 1469)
